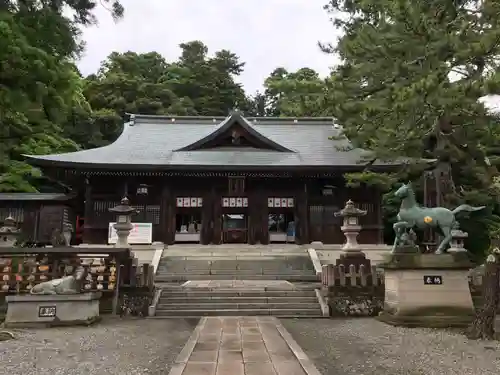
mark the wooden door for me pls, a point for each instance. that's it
(324, 226)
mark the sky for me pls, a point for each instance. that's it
(265, 34)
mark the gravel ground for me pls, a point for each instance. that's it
(115, 346)
(368, 347)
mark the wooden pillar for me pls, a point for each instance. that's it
(217, 218)
(253, 224)
(167, 215)
(263, 212)
(207, 219)
(302, 216)
(88, 212)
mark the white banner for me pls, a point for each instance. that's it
(142, 233)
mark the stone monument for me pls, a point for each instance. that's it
(427, 290)
(351, 251)
(54, 302)
(123, 224)
(9, 233)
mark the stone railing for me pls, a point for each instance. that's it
(353, 292)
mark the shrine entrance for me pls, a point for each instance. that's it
(188, 219)
(281, 219)
(234, 220)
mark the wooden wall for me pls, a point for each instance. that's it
(313, 211)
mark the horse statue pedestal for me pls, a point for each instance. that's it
(50, 310)
(427, 290)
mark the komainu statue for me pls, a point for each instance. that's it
(412, 215)
(71, 284)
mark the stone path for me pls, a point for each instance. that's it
(242, 346)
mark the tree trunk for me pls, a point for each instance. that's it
(483, 326)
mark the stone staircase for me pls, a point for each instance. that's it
(280, 301)
(245, 263)
(237, 281)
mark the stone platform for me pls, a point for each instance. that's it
(52, 310)
(242, 346)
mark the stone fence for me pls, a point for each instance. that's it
(351, 291)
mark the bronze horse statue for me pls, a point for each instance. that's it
(412, 215)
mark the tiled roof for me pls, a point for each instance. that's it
(165, 142)
(34, 196)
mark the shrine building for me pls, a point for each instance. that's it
(214, 180)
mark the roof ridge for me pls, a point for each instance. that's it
(135, 117)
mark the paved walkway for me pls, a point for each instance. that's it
(242, 346)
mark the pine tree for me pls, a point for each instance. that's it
(410, 67)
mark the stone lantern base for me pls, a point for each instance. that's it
(356, 258)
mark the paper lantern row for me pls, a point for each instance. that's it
(234, 202)
(280, 202)
(189, 202)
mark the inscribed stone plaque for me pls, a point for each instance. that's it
(433, 280)
(46, 311)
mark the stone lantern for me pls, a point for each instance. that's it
(350, 226)
(458, 238)
(9, 232)
(123, 224)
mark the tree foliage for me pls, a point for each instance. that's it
(411, 68)
(147, 84)
(291, 94)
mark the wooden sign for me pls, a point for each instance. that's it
(274, 202)
(433, 280)
(189, 202)
(46, 311)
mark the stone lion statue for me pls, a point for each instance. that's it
(71, 284)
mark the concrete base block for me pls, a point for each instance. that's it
(52, 310)
(427, 290)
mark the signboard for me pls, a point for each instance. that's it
(280, 202)
(433, 280)
(46, 311)
(235, 202)
(141, 233)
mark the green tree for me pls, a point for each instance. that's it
(147, 84)
(127, 83)
(299, 93)
(40, 89)
(411, 67)
(208, 81)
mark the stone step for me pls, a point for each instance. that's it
(236, 267)
(237, 300)
(224, 263)
(236, 306)
(288, 313)
(233, 272)
(255, 271)
(232, 293)
(186, 277)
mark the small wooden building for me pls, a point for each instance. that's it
(38, 214)
(221, 180)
